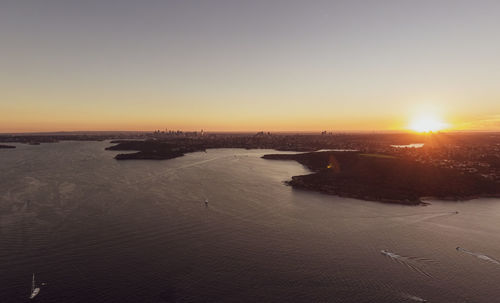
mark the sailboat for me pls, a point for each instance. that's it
(34, 290)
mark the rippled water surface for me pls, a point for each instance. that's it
(99, 230)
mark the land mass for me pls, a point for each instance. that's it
(469, 153)
(38, 138)
(379, 166)
(152, 149)
(385, 178)
(7, 146)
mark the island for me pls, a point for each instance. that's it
(7, 146)
(385, 178)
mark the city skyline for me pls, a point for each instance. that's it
(249, 66)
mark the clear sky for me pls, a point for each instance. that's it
(248, 65)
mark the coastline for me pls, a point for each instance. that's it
(151, 150)
(384, 179)
(316, 188)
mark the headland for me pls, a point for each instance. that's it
(385, 178)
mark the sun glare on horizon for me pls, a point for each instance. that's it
(427, 122)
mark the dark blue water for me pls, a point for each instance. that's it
(99, 230)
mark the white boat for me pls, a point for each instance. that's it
(34, 290)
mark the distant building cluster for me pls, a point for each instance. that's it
(177, 133)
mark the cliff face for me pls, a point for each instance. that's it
(384, 178)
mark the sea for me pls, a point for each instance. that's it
(94, 229)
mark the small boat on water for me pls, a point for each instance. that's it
(34, 290)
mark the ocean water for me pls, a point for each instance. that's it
(94, 229)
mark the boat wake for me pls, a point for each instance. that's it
(479, 255)
(410, 262)
(418, 216)
(413, 298)
(34, 290)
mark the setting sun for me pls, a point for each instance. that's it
(427, 123)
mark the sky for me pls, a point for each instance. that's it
(248, 65)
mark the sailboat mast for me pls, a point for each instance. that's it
(33, 283)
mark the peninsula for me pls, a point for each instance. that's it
(152, 149)
(385, 178)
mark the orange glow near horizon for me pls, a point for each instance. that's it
(423, 117)
(421, 123)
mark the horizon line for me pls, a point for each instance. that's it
(245, 131)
